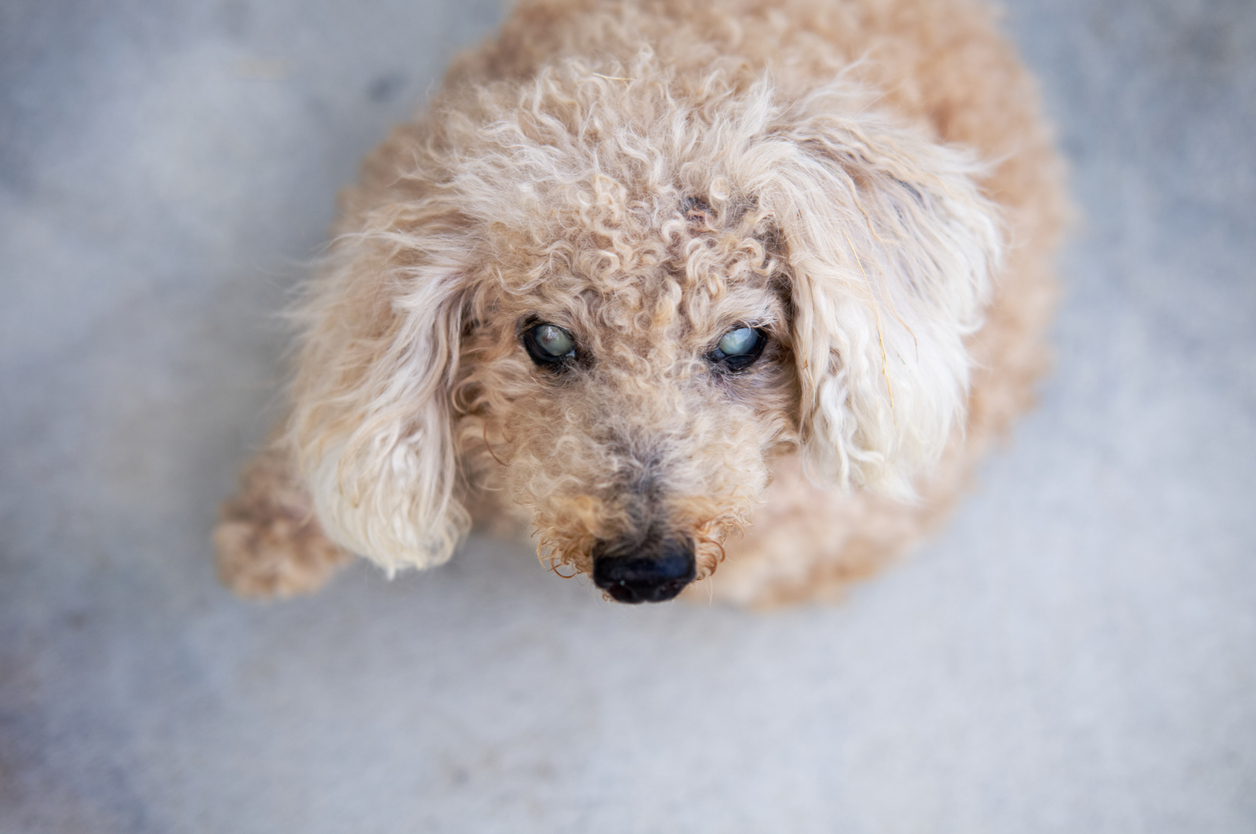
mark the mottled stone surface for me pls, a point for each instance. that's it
(1077, 653)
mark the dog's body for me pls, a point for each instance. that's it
(679, 284)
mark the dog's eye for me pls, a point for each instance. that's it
(739, 347)
(548, 344)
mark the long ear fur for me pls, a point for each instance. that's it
(892, 249)
(371, 422)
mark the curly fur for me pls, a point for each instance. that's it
(867, 181)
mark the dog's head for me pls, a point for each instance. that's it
(617, 303)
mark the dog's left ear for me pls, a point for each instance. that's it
(372, 423)
(891, 248)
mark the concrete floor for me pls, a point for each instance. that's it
(1077, 653)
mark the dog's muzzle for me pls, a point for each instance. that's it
(631, 571)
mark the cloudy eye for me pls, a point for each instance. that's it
(738, 342)
(739, 347)
(549, 345)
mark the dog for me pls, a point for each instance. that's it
(674, 285)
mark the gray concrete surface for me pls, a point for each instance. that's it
(1077, 653)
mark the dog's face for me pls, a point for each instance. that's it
(630, 404)
(618, 308)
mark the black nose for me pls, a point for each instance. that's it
(636, 572)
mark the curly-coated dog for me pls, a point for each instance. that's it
(679, 285)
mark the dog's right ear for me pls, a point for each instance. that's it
(371, 420)
(892, 248)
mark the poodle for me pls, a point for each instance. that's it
(672, 286)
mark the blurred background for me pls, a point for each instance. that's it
(1076, 653)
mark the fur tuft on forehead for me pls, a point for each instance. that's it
(603, 158)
